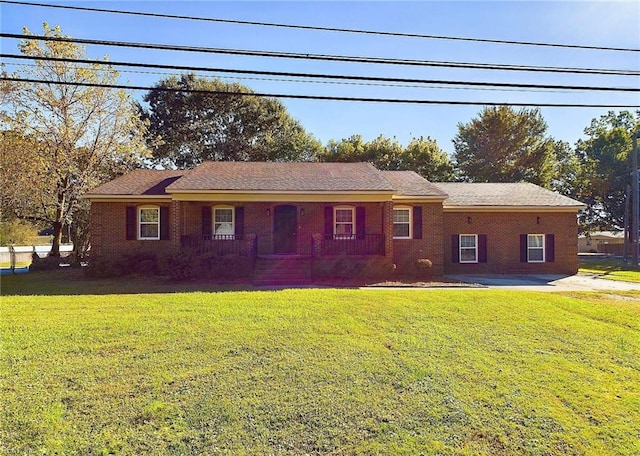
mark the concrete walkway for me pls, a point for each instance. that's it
(548, 282)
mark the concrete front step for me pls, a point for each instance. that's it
(282, 271)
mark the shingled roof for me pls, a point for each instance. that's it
(503, 195)
(409, 183)
(279, 177)
(140, 182)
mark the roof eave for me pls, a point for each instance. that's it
(97, 197)
(414, 198)
(499, 208)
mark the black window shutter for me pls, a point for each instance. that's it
(417, 222)
(164, 224)
(360, 222)
(239, 222)
(523, 248)
(131, 223)
(206, 220)
(455, 248)
(328, 221)
(550, 248)
(482, 248)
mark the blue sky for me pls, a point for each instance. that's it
(615, 24)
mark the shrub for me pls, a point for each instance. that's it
(178, 266)
(145, 263)
(47, 263)
(230, 266)
(424, 267)
(98, 268)
(378, 269)
(350, 268)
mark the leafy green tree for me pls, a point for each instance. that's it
(17, 232)
(422, 155)
(188, 125)
(505, 145)
(348, 150)
(569, 170)
(59, 140)
(605, 154)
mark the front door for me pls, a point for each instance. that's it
(285, 229)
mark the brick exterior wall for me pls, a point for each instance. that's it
(407, 251)
(108, 225)
(109, 234)
(503, 230)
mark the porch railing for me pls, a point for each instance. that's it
(220, 245)
(362, 244)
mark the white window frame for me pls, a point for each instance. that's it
(410, 222)
(141, 223)
(543, 248)
(233, 221)
(336, 223)
(475, 248)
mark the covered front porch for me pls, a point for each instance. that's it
(255, 229)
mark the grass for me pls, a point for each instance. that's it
(609, 268)
(19, 264)
(72, 281)
(466, 372)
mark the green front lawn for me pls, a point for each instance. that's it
(613, 269)
(321, 372)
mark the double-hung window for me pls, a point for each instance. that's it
(149, 223)
(402, 223)
(535, 248)
(468, 248)
(345, 223)
(223, 222)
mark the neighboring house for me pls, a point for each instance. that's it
(611, 242)
(325, 215)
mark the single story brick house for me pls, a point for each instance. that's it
(320, 216)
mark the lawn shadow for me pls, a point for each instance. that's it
(73, 281)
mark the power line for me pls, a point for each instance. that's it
(318, 97)
(312, 81)
(325, 29)
(324, 76)
(333, 58)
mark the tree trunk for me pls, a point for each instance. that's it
(57, 237)
(57, 223)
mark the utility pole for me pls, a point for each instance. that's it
(634, 200)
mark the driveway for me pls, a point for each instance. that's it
(548, 282)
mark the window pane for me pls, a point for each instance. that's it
(344, 229)
(149, 215)
(149, 231)
(535, 240)
(223, 215)
(467, 241)
(344, 215)
(401, 230)
(401, 216)
(536, 255)
(225, 228)
(467, 255)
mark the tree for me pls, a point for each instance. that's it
(61, 140)
(189, 125)
(424, 156)
(606, 168)
(349, 150)
(504, 145)
(421, 155)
